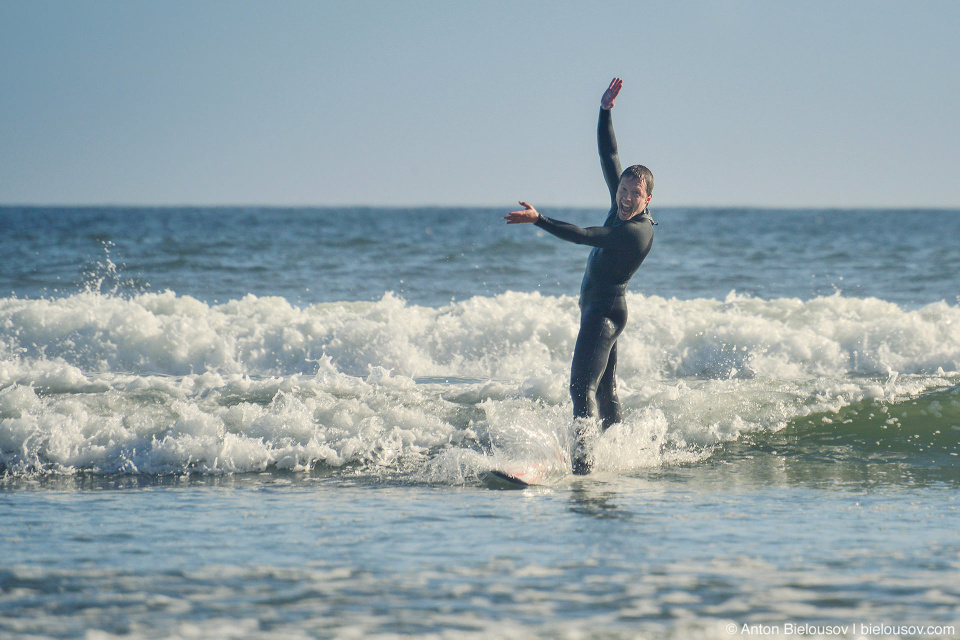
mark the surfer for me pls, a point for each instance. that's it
(619, 246)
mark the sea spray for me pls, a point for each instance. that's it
(160, 383)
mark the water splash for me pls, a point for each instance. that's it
(155, 383)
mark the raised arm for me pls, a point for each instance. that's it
(607, 141)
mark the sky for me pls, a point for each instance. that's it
(413, 102)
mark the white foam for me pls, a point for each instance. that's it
(160, 383)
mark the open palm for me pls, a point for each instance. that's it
(606, 102)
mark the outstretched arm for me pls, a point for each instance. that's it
(607, 141)
(593, 236)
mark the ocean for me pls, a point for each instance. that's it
(266, 423)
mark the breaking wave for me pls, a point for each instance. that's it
(158, 383)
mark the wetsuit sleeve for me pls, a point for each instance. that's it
(593, 236)
(609, 157)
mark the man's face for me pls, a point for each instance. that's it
(632, 197)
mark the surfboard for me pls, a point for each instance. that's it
(520, 475)
(502, 480)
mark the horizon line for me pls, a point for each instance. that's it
(783, 207)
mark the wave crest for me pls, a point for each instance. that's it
(160, 383)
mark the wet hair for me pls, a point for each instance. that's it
(640, 172)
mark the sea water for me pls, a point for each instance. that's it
(278, 423)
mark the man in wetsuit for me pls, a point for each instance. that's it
(620, 245)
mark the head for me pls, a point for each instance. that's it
(634, 192)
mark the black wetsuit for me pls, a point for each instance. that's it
(619, 248)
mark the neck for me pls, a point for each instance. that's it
(636, 215)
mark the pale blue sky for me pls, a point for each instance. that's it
(765, 103)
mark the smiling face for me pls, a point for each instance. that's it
(632, 197)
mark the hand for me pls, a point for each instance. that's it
(606, 102)
(529, 214)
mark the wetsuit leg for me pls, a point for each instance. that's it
(600, 326)
(608, 404)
